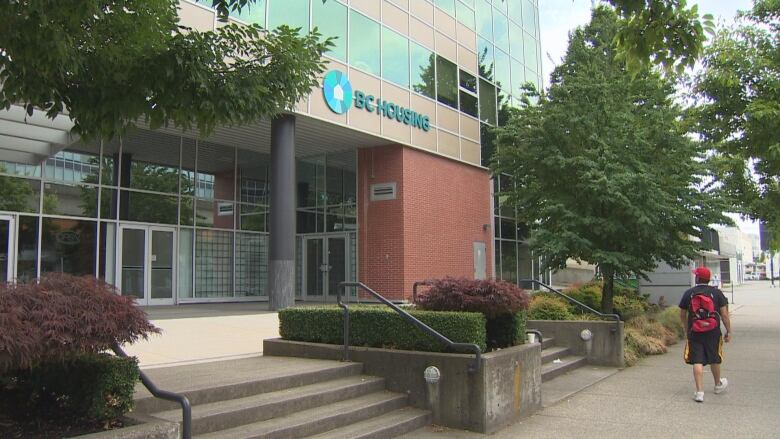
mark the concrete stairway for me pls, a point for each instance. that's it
(551, 367)
(284, 398)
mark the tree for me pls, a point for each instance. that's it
(739, 111)
(602, 170)
(109, 63)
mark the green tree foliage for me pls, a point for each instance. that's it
(112, 62)
(739, 111)
(603, 171)
(664, 32)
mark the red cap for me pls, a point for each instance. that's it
(702, 273)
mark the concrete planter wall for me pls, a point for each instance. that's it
(506, 387)
(605, 347)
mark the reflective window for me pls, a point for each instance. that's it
(148, 208)
(487, 102)
(215, 213)
(446, 5)
(468, 104)
(27, 248)
(364, 43)
(465, 15)
(70, 199)
(187, 174)
(446, 82)
(20, 169)
(487, 144)
(107, 252)
(293, 13)
(216, 166)
(529, 17)
(68, 246)
(395, 47)
(504, 103)
(468, 81)
(485, 58)
(509, 261)
(516, 41)
(184, 283)
(330, 18)
(518, 77)
(423, 72)
(484, 19)
(516, 10)
(19, 194)
(530, 53)
(74, 166)
(502, 73)
(253, 12)
(500, 30)
(150, 161)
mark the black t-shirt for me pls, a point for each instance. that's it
(718, 296)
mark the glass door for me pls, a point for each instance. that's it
(145, 264)
(337, 264)
(324, 266)
(6, 248)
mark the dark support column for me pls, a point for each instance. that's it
(281, 254)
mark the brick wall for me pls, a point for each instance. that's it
(429, 229)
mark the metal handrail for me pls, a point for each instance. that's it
(186, 408)
(406, 316)
(573, 300)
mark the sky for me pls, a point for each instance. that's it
(558, 17)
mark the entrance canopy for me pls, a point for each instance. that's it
(32, 139)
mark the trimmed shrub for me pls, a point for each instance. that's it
(549, 308)
(629, 307)
(643, 344)
(589, 294)
(489, 297)
(670, 319)
(63, 315)
(499, 301)
(84, 388)
(380, 327)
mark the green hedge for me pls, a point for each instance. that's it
(505, 330)
(380, 327)
(84, 387)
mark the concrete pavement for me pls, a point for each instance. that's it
(654, 398)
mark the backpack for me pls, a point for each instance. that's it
(703, 311)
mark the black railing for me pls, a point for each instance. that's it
(614, 317)
(186, 409)
(408, 317)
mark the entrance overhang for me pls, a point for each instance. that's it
(31, 139)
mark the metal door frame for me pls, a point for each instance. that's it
(12, 234)
(148, 229)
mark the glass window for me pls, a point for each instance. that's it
(150, 161)
(487, 102)
(252, 217)
(364, 43)
(509, 261)
(216, 167)
(253, 12)
(468, 104)
(423, 72)
(487, 144)
(293, 13)
(184, 277)
(468, 81)
(213, 263)
(500, 30)
(107, 264)
(518, 77)
(330, 18)
(251, 264)
(529, 18)
(20, 169)
(465, 15)
(515, 10)
(109, 162)
(504, 104)
(19, 194)
(516, 41)
(446, 82)
(485, 56)
(502, 72)
(530, 53)
(484, 19)
(74, 166)
(395, 48)
(215, 213)
(70, 199)
(68, 246)
(27, 248)
(187, 174)
(149, 208)
(446, 5)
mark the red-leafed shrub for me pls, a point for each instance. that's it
(63, 315)
(490, 297)
(502, 303)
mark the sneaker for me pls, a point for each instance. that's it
(698, 396)
(720, 388)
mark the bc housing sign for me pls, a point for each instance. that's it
(339, 95)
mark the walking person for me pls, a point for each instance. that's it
(702, 308)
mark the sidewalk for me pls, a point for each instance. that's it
(654, 398)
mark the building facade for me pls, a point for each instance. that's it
(383, 168)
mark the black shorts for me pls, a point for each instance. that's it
(704, 348)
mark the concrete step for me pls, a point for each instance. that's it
(573, 382)
(223, 415)
(554, 352)
(317, 420)
(390, 425)
(548, 342)
(221, 381)
(568, 363)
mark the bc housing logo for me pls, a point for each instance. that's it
(337, 91)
